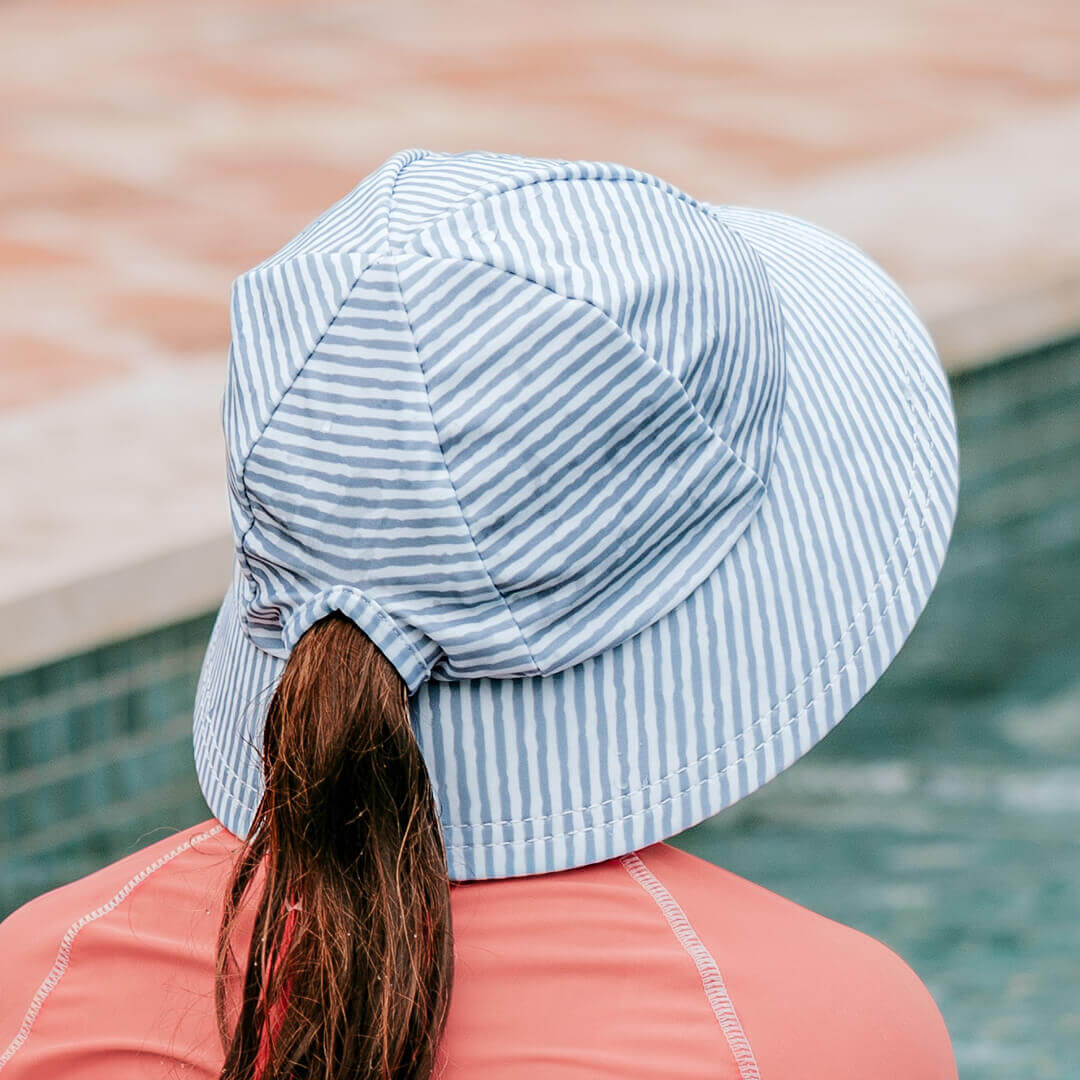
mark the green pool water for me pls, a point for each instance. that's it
(942, 816)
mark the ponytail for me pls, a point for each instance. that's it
(350, 965)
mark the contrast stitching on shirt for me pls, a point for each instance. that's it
(711, 980)
(63, 955)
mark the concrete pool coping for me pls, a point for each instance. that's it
(115, 517)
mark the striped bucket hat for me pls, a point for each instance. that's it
(639, 494)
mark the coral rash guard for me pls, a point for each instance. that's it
(652, 965)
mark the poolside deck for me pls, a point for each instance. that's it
(154, 151)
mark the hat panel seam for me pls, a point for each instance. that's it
(294, 249)
(449, 476)
(917, 473)
(485, 194)
(759, 484)
(402, 163)
(716, 214)
(241, 542)
(620, 330)
(882, 301)
(403, 166)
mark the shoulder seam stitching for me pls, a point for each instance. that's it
(712, 980)
(63, 955)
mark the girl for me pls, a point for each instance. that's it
(568, 511)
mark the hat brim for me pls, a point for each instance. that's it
(751, 670)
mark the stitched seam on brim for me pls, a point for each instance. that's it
(910, 504)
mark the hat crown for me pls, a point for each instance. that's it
(504, 412)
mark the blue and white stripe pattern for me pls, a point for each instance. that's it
(639, 494)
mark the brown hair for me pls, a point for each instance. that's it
(350, 965)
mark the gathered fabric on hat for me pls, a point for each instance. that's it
(638, 494)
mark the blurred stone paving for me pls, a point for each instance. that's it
(150, 152)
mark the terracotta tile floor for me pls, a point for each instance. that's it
(149, 152)
(152, 151)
